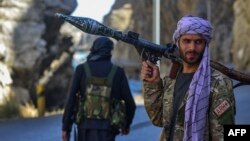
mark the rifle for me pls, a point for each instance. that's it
(146, 49)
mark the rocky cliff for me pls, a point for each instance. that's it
(31, 48)
(137, 16)
(36, 49)
(241, 33)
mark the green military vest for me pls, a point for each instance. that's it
(96, 102)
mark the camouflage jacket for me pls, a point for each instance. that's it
(159, 106)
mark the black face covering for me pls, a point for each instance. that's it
(101, 49)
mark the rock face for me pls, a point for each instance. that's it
(137, 16)
(36, 48)
(29, 42)
(241, 34)
(124, 17)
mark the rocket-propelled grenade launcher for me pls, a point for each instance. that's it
(147, 50)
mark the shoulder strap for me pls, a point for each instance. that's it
(111, 75)
(87, 70)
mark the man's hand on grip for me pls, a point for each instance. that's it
(150, 72)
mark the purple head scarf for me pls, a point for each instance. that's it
(198, 94)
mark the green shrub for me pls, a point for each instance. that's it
(9, 109)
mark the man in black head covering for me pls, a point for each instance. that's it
(101, 49)
(92, 126)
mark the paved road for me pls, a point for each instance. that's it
(49, 128)
(242, 96)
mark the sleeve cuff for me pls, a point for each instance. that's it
(156, 85)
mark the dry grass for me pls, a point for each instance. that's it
(28, 111)
(9, 109)
(55, 112)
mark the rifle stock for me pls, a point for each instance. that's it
(174, 69)
(146, 49)
(244, 78)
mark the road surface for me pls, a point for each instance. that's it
(49, 128)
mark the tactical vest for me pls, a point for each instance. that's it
(96, 102)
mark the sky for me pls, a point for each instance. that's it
(94, 9)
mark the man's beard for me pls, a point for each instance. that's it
(191, 62)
